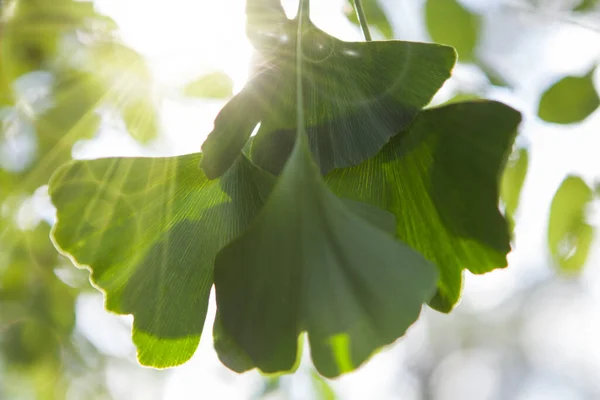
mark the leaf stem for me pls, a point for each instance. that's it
(362, 19)
(303, 15)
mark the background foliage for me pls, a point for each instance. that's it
(64, 72)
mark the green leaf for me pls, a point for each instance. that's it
(569, 234)
(448, 22)
(513, 180)
(217, 85)
(570, 100)
(375, 17)
(371, 92)
(141, 119)
(586, 5)
(440, 178)
(149, 229)
(308, 263)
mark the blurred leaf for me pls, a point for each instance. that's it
(365, 100)
(569, 235)
(570, 100)
(38, 310)
(127, 83)
(149, 229)
(141, 119)
(440, 178)
(586, 5)
(300, 266)
(493, 77)
(448, 22)
(32, 34)
(513, 180)
(217, 85)
(462, 97)
(322, 388)
(375, 16)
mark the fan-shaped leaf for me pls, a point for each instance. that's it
(357, 96)
(149, 229)
(440, 179)
(309, 263)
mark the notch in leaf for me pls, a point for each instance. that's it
(357, 96)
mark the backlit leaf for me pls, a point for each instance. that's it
(440, 178)
(569, 234)
(513, 180)
(357, 96)
(149, 229)
(570, 100)
(309, 263)
(216, 85)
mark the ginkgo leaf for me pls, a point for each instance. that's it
(571, 99)
(375, 16)
(440, 179)
(357, 96)
(570, 235)
(149, 229)
(216, 85)
(450, 23)
(309, 263)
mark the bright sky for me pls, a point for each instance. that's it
(183, 39)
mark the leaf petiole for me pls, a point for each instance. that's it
(362, 19)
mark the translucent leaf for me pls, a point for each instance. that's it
(569, 234)
(448, 22)
(357, 96)
(216, 85)
(440, 178)
(309, 263)
(513, 180)
(570, 100)
(149, 229)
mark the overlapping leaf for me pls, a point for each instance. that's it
(570, 235)
(149, 229)
(357, 96)
(310, 263)
(440, 179)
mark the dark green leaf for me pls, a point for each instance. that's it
(375, 17)
(448, 22)
(357, 96)
(440, 179)
(149, 230)
(569, 234)
(308, 263)
(572, 99)
(216, 85)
